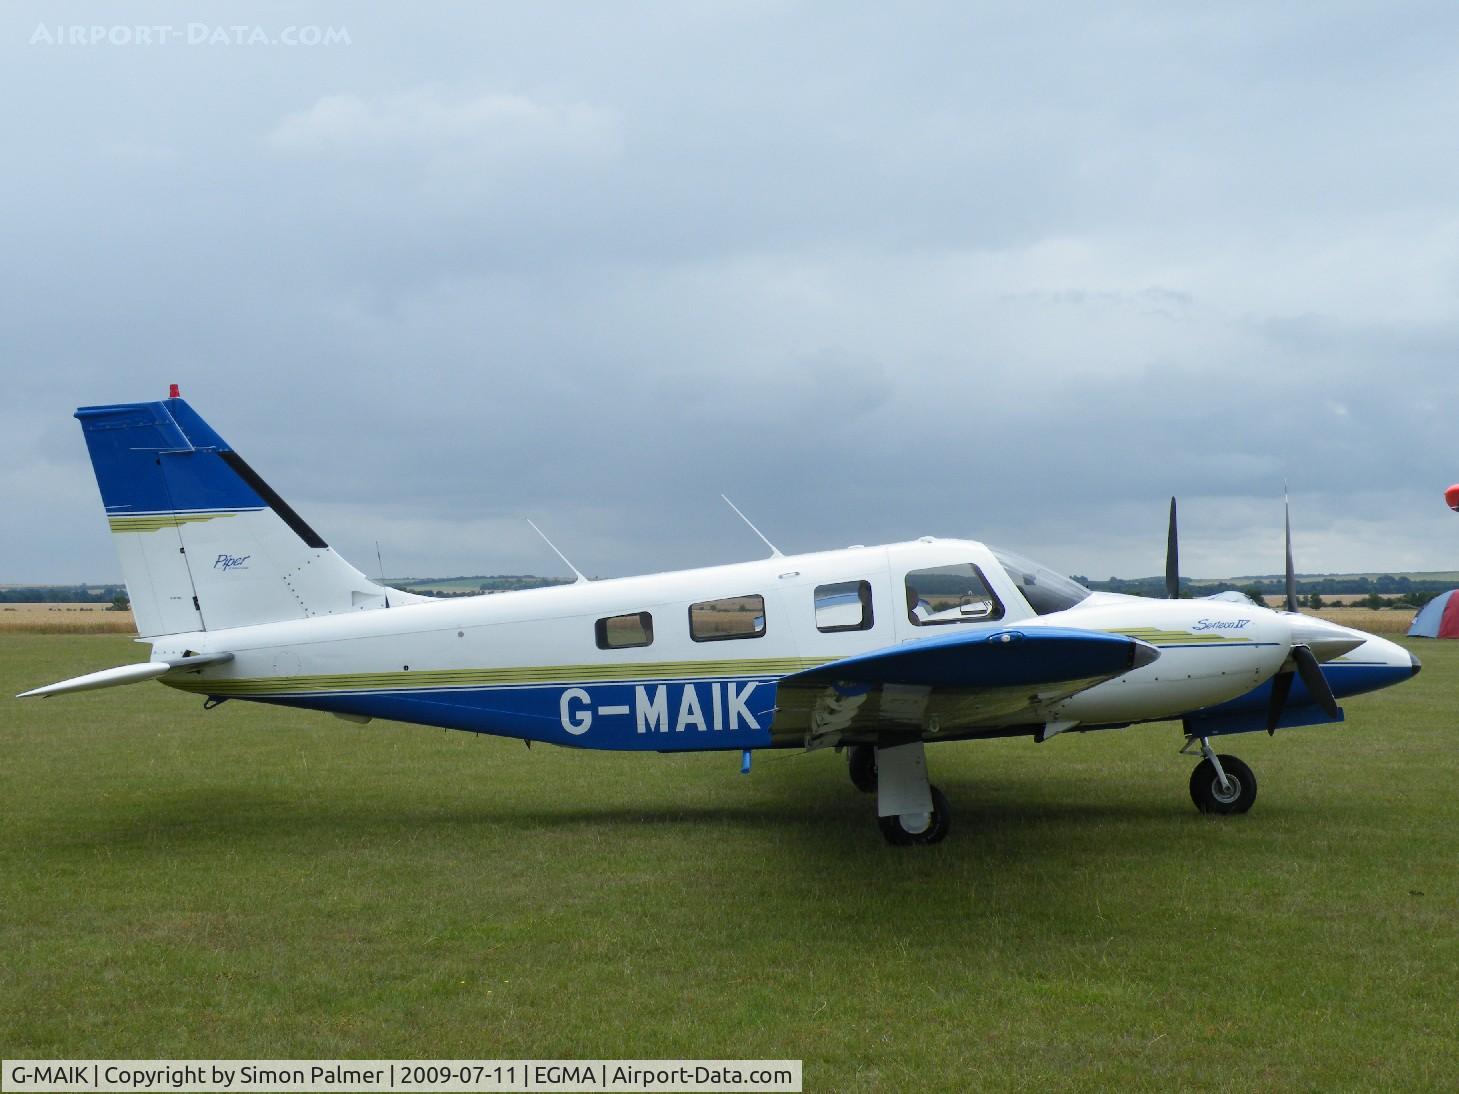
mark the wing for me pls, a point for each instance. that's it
(941, 686)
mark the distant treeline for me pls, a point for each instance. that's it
(1399, 589)
(61, 594)
(475, 585)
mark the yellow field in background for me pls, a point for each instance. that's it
(64, 619)
(1388, 621)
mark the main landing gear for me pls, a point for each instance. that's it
(1221, 784)
(910, 811)
(861, 765)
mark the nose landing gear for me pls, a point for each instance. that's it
(1221, 784)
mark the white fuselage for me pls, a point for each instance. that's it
(530, 663)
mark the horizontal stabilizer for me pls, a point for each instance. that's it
(127, 674)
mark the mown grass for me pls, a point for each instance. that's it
(260, 882)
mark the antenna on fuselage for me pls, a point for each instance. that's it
(774, 550)
(581, 576)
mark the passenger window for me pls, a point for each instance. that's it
(844, 606)
(731, 617)
(950, 594)
(622, 632)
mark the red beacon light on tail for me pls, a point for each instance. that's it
(1451, 496)
(172, 392)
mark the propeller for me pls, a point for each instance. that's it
(1291, 576)
(1317, 686)
(1172, 559)
(1304, 661)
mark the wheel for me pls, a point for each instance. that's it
(861, 761)
(1206, 789)
(930, 827)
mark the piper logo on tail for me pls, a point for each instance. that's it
(667, 708)
(231, 562)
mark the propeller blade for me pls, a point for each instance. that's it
(1291, 576)
(1281, 685)
(1172, 559)
(1311, 673)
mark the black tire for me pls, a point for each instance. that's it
(938, 825)
(861, 762)
(1206, 786)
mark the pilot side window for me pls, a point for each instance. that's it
(843, 606)
(950, 594)
(622, 632)
(730, 617)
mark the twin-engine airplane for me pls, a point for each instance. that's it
(876, 649)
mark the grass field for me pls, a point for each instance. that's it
(257, 882)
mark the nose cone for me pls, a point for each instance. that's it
(1378, 663)
(1417, 664)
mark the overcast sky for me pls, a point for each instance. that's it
(874, 274)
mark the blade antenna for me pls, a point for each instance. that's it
(774, 550)
(581, 577)
(1172, 558)
(1291, 575)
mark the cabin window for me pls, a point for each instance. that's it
(843, 606)
(730, 617)
(623, 632)
(950, 594)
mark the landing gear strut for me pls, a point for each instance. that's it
(1221, 784)
(861, 764)
(910, 811)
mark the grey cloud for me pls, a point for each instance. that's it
(962, 271)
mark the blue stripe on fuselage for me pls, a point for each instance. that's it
(653, 716)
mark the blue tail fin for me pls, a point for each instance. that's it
(205, 543)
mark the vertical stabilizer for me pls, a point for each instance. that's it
(204, 542)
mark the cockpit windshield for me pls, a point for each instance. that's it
(1046, 591)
